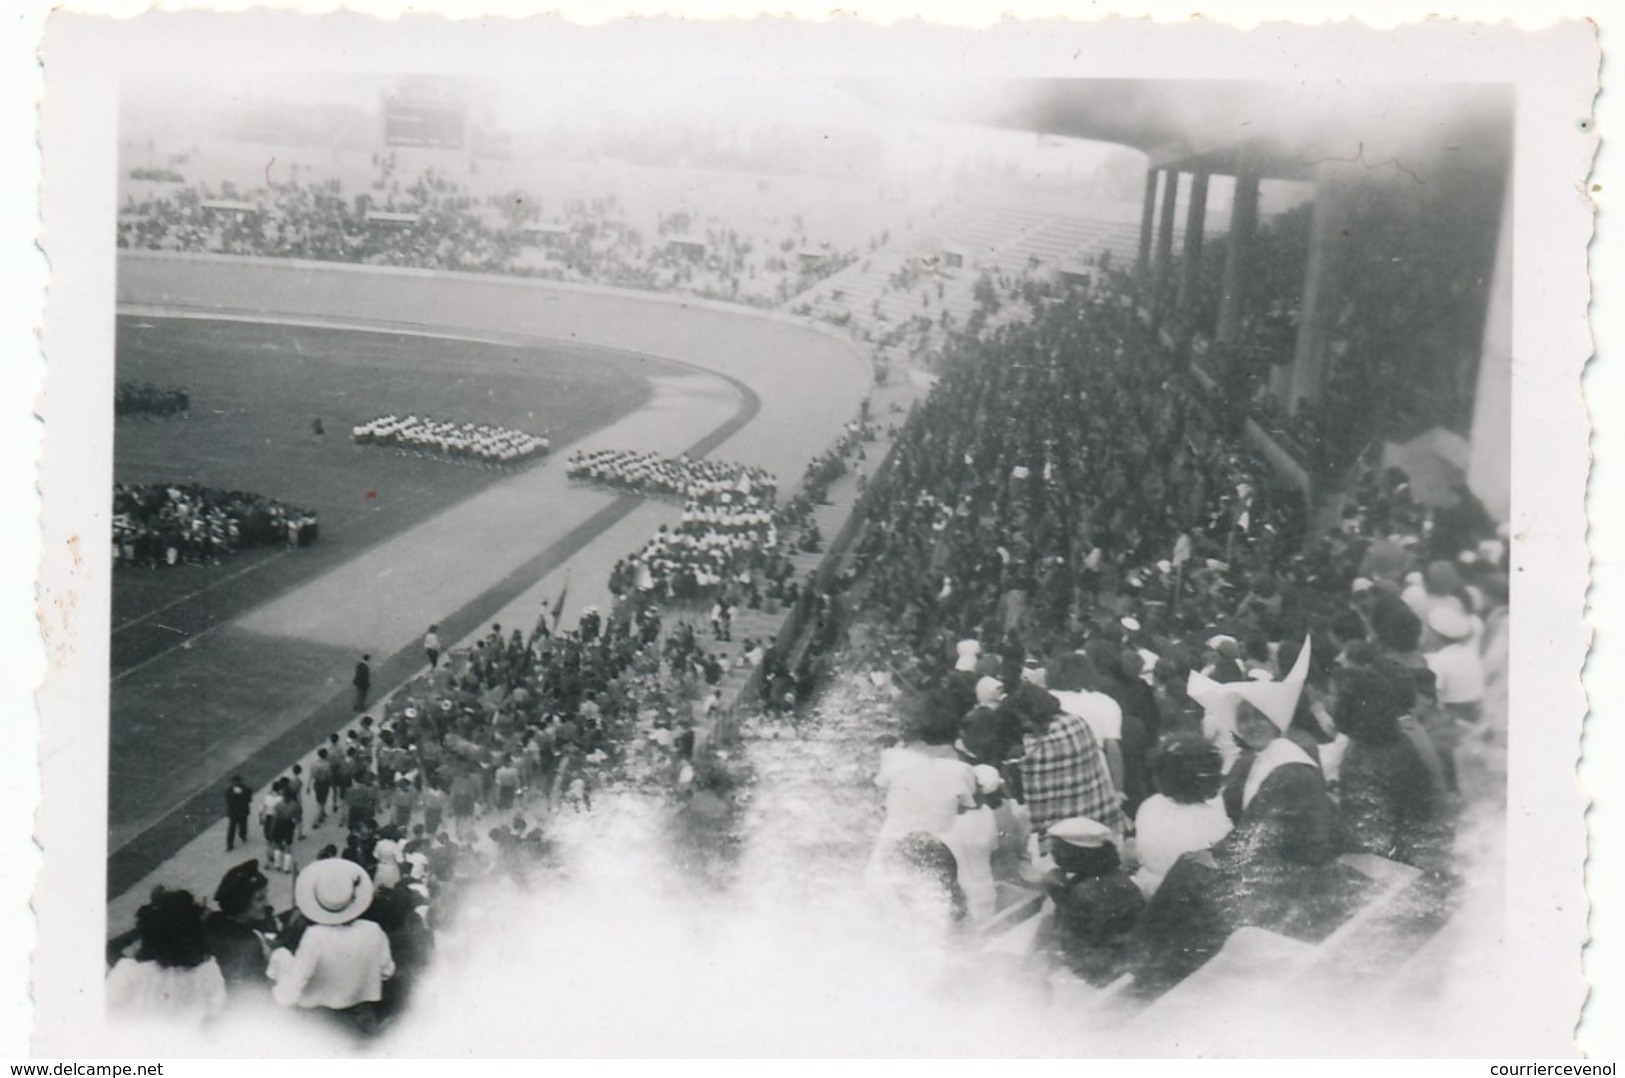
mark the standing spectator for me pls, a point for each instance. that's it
(296, 792)
(434, 806)
(506, 781)
(1063, 773)
(431, 646)
(1451, 653)
(239, 801)
(284, 826)
(362, 682)
(403, 802)
(321, 783)
(344, 772)
(362, 801)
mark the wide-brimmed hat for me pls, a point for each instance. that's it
(1448, 621)
(333, 892)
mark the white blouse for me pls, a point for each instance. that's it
(1166, 830)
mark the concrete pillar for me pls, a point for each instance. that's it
(1142, 262)
(1238, 246)
(1195, 225)
(1165, 238)
(1323, 283)
(1489, 462)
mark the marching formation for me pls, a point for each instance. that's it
(482, 443)
(702, 482)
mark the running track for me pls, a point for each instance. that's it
(766, 390)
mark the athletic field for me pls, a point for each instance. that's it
(256, 391)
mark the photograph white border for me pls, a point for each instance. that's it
(1551, 343)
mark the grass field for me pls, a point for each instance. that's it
(255, 390)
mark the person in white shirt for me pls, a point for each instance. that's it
(1102, 714)
(1457, 667)
(927, 786)
(1185, 814)
(973, 838)
(341, 962)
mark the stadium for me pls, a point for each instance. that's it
(711, 541)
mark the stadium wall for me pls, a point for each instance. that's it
(810, 380)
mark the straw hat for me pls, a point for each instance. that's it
(332, 892)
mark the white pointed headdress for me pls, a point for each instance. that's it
(1278, 700)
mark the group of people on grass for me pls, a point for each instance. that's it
(145, 398)
(169, 524)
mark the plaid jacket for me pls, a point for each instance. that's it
(1064, 775)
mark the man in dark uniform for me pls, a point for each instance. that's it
(362, 682)
(239, 801)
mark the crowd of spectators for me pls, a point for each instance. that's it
(432, 221)
(144, 398)
(1121, 638)
(166, 524)
(482, 443)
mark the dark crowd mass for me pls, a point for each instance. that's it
(168, 524)
(147, 399)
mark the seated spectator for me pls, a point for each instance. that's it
(925, 783)
(233, 929)
(1184, 815)
(171, 974)
(1391, 803)
(341, 961)
(1096, 904)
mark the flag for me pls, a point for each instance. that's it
(1182, 549)
(1245, 521)
(558, 604)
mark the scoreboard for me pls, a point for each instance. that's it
(441, 124)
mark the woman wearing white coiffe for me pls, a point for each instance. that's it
(341, 961)
(1274, 788)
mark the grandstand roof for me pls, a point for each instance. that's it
(1282, 129)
